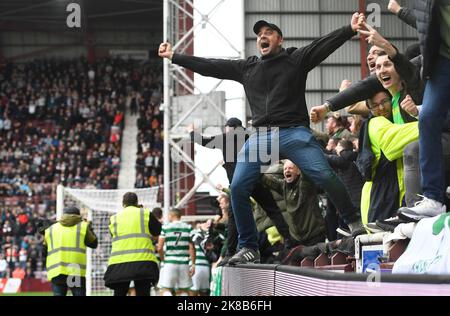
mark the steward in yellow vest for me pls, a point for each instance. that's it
(133, 253)
(66, 242)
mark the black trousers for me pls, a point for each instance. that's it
(142, 288)
(333, 221)
(264, 198)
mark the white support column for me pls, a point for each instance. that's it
(89, 262)
(167, 102)
(59, 201)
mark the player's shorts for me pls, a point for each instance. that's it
(201, 278)
(175, 276)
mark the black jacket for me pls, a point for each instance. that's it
(275, 86)
(349, 173)
(407, 15)
(427, 21)
(230, 143)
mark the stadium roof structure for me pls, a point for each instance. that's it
(47, 14)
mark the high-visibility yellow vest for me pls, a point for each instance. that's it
(66, 250)
(131, 240)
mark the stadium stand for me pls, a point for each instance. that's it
(61, 122)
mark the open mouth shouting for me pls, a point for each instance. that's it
(386, 72)
(288, 176)
(265, 47)
(386, 79)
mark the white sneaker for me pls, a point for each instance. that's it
(343, 232)
(422, 209)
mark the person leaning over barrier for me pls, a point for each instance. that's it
(133, 254)
(66, 242)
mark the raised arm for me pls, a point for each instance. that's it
(392, 138)
(313, 54)
(273, 183)
(409, 73)
(405, 14)
(210, 67)
(358, 91)
(197, 137)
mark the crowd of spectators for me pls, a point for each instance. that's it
(373, 147)
(61, 122)
(149, 162)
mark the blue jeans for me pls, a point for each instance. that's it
(61, 290)
(298, 145)
(436, 101)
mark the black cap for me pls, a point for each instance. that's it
(234, 122)
(72, 210)
(258, 25)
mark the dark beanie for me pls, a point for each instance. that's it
(233, 122)
(72, 210)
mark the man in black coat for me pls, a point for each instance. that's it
(433, 27)
(275, 87)
(231, 143)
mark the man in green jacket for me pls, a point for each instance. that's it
(303, 214)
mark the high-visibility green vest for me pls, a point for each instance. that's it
(131, 240)
(66, 250)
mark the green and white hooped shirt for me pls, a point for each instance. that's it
(177, 236)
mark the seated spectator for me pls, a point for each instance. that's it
(336, 128)
(61, 123)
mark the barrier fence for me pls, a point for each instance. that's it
(278, 280)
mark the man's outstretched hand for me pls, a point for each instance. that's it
(318, 113)
(376, 39)
(165, 50)
(394, 7)
(357, 21)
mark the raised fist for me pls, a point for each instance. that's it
(165, 50)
